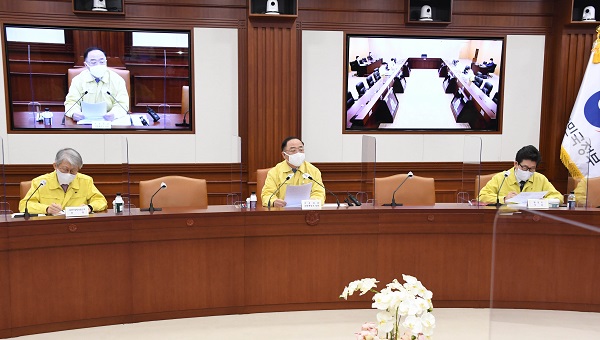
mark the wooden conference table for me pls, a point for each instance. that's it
(25, 120)
(58, 273)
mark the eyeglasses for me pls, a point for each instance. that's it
(526, 168)
(292, 151)
(94, 62)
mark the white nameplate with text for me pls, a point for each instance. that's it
(77, 211)
(533, 203)
(311, 204)
(101, 124)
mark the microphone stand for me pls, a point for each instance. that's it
(72, 106)
(151, 208)
(393, 203)
(322, 186)
(498, 204)
(184, 123)
(26, 214)
(279, 187)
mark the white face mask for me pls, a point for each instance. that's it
(64, 178)
(523, 175)
(97, 70)
(296, 159)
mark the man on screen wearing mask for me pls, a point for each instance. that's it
(65, 187)
(292, 150)
(522, 178)
(97, 80)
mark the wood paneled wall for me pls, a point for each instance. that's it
(270, 67)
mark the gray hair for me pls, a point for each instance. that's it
(69, 155)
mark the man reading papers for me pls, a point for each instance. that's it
(293, 166)
(97, 84)
(521, 178)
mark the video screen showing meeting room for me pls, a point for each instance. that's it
(143, 85)
(423, 84)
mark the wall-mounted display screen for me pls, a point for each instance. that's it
(427, 77)
(134, 80)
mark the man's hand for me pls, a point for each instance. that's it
(279, 203)
(53, 209)
(510, 195)
(77, 116)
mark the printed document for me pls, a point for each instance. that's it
(294, 194)
(522, 198)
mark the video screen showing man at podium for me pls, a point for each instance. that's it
(97, 84)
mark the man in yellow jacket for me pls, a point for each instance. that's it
(293, 166)
(521, 178)
(65, 187)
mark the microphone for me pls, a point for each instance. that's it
(184, 123)
(280, 185)
(497, 204)
(115, 99)
(72, 106)
(152, 209)
(305, 175)
(354, 200)
(26, 214)
(394, 204)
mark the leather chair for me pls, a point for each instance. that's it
(370, 81)
(185, 99)
(349, 100)
(361, 89)
(261, 177)
(593, 192)
(487, 88)
(24, 188)
(354, 65)
(496, 97)
(415, 191)
(478, 81)
(181, 192)
(480, 182)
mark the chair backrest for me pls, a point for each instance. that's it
(487, 88)
(480, 182)
(496, 97)
(185, 99)
(370, 81)
(492, 68)
(354, 65)
(415, 191)
(125, 74)
(478, 81)
(261, 177)
(349, 100)
(361, 89)
(24, 188)
(180, 192)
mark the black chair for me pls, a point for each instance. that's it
(496, 97)
(349, 100)
(478, 81)
(491, 69)
(370, 81)
(376, 75)
(354, 65)
(487, 88)
(361, 89)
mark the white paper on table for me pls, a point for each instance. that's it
(93, 111)
(524, 196)
(294, 194)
